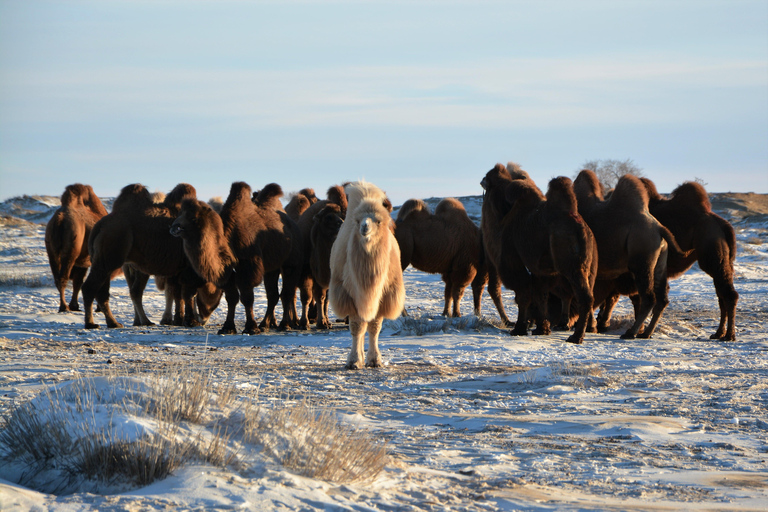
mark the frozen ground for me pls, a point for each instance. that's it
(474, 419)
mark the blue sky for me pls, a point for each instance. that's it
(420, 98)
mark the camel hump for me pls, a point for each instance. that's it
(560, 194)
(179, 193)
(630, 193)
(692, 195)
(74, 194)
(411, 206)
(516, 172)
(134, 195)
(586, 185)
(449, 205)
(238, 192)
(270, 193)
(309, 194)
(336, 195)
(522, 191)
(650, 187)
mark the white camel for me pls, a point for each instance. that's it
(366, 278)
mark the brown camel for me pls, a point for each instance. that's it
(66, 239)
(245, 245)
(327, 223)
(334, 195)
(629, 240)
(494, 208)
(135, 233)
(708, 238)
(543, 239)
(300, 201)
(446, 242)
(366, 278)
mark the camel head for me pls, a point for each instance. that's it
(495, 176)
(329, 220)
(179, 193)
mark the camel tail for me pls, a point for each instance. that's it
(674, 248)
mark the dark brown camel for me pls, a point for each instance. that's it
(66, 239)
(248, 244)
(135, 233)
(629, 240)
(327, 223)
(300, 201)
(494, 208)
(334, 195)
(447, 243)
(708, 239)
(543, 239)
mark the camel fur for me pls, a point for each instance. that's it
(135, 233)
(317, 252)
(66, 240)
(299, 203)
(495, 207)
(366, 277)
(708, 239)
(543, 239)
(447, 243)
(629, 240)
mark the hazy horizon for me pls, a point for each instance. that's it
(420, 98)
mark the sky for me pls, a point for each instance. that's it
(421, 98)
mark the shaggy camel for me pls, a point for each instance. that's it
(325, 229)
(300, 201)
(245, 245)
(446, 242)
(134, 233)
(629, 239)
(494, 208)
(366, 278)
(335, 195)
(66, 239)
(543, 239)
(709, 238)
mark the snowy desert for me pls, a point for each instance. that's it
(471, 417)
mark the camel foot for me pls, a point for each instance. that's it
(561, 327)
(576, 340)
(116, 325)
(375, 363)
(519, 332)
(91, 326)
(252, 331)
(192, 323)
(227, 329)
(354, 365)
(627, 336)
(63, 309)
(325, 325)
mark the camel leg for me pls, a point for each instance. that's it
(540, 294)
(78, 276)
(169, 292)
(646, 302)
(457, 292)
(494, 290)
(247, 298)
(305, 294)
(604, 316)
(584, 299)
(321, 297)
(273, 295)
(137, 282)
(727, 297)
(373, 359)
(232, 296)
(290, 318)
(357, 328)
(102, 298)
(448, 297)
(96, 287)
(478, 285)
(661, 292)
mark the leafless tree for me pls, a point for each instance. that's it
(609, 171)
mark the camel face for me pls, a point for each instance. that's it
(368, 224)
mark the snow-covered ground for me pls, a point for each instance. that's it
(474, 419)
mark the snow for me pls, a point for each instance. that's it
(474, 419)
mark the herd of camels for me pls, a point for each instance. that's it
(565, 253)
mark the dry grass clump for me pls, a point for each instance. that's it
(27, 280)
(109, 434)
(315, 444)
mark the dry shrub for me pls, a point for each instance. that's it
(317, 445)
